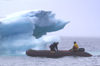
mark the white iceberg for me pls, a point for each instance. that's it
(24, 30)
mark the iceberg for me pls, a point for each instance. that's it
(27, 29)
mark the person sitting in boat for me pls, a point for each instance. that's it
(54, 47)
(75, 47)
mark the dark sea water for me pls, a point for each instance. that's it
(91, 45)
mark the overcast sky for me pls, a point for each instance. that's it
(84, 15)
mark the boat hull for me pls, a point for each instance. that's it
(60, 53)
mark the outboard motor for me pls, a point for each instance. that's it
(81, 50)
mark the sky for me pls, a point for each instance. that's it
(84, 15)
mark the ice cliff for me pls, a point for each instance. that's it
(27, 29)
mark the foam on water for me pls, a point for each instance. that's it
(95, 53)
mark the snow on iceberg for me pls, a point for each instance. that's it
(24, 30)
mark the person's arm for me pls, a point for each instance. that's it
(56, 48)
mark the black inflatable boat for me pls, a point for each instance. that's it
(60, 53)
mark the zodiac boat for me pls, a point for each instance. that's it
(60, 53)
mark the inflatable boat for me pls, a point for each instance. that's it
(60, 53)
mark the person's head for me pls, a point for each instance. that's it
(56, 42)
(74, 42)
